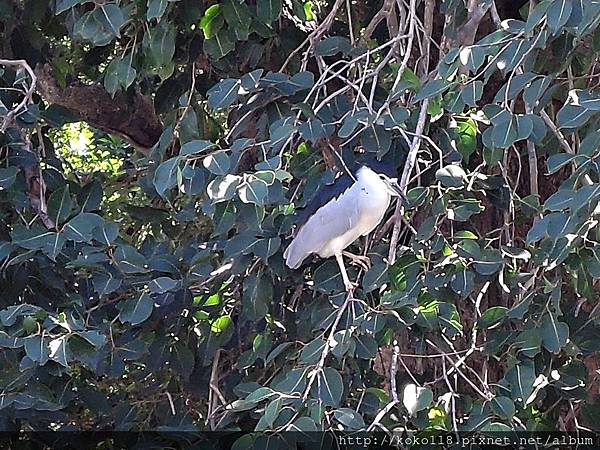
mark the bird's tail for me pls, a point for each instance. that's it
(293, 257)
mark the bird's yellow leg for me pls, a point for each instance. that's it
(362, 261)
(347, 283)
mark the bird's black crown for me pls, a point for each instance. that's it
(376, 166)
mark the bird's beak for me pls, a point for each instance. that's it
(395, 189)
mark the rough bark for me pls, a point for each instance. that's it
(129, 115)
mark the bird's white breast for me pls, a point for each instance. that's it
(368, 199)
(374, 199)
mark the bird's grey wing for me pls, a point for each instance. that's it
(332, 220)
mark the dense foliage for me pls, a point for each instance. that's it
(153, 155)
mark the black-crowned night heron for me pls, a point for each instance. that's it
(342, 212)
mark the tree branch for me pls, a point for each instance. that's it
(130, 116)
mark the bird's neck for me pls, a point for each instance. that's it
(365, 175)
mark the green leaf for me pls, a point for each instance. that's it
(408, 82)
(312, 130)
(265, 248)
(105, 284)
(156, 9)
(38, 238)
(161, 285)
(9, 316)
(472, 57)
(504, 134)
(524, 126)
(237, 14)
(258, 293)
(159, 44)
(536, 16)
(333, 45)
(516, 252)
(220, 45)
(327, 277)
(93, 337)
(277, 351)
(223, 188)
(328, 387)
(376, 139)
(472, 92)
(60, 205)
(268, 11)
(130, 260)
(250, 82)
(212, 21)
(194, 147)
(554, 333)
(587, 99)
(294, 381)
(376, 277)
(311, 353)
(112, 18)
(463, 283)
(63, 5)
(521, 378)
(59, 349)
(465, 134)
(165, 176)
(7, 177)
(136, 310)
(451, 176)
(119, 74)
(221, 324)
(304, 424)
(308, 11)
(432, 88)
(489, 262)
(560, 200)
(573, 116)
(271, 413)
(253, 190)
(350, 418)
(366, 346)
(503, 407)
(538, 133)
(416, 398)
(558, 14)
(223, 94)
(492, 316)
(513, 54)
(217, 162)
(36, 347)
(91, 27)
(558, 161)
(534, 92)
(396, 117)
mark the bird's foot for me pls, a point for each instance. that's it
(350, 286)
(364, 262)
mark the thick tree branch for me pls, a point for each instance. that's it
(130, 116)
(464, 34)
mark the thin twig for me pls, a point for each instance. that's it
(27, 98)
(408, 168)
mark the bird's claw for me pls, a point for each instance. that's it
(364, 262)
